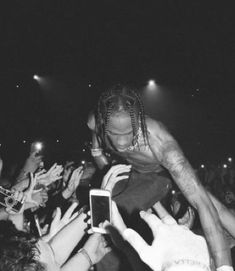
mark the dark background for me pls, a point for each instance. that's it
(79, 48)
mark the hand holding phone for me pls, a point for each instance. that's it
(100, 205)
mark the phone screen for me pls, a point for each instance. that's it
(100, 209)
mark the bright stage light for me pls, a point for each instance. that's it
(230, 159)
(225, 166)
(151, 83)
(202, 166)
(36, 77)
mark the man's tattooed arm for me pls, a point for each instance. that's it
(168, 152)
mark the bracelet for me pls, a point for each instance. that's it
(84, 252)
(225, 268)
(185, 262)
(96, 152)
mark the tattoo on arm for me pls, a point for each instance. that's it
(174, 160)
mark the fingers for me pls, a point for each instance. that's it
(117, 218)
(57, 216)
(44, 230)
(70, 210)
(152, 220)
(40, 173)
(74, 216)
(118, 169)
(117, 179)
(114, 171)
(19, 196)
(163, 214)
(52, 167)
(160, 210)
(77, 173)
(135, 240)
(33, 181)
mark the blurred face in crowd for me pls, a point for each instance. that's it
(229, 197)
(119, 131)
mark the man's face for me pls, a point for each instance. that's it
(119, 131)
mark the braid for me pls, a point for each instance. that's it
(133, 123)
(107, 117)
(118, 99)
(142, 120)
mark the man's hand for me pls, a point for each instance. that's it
(59, 222)
(40, 197)
(172, 243)
(52, 175)
(73, 183)
(111, 177)
(167, 151)
(30, 191)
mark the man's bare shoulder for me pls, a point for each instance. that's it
(91, 121)
(155, 127)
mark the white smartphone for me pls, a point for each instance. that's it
(100, 206)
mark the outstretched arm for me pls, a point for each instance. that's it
(168, 152)
(227, 217)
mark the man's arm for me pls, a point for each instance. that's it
(96, 151)
(227, 217)
(168, 152)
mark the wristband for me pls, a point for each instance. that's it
(185, 264)
(84, 252)
(225, 268)
(96, 152)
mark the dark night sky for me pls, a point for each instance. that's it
(183, 45)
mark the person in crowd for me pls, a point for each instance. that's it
(174, 247)
(20, 250)
(119, 126)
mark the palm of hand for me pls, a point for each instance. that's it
(174, 242)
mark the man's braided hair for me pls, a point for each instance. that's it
(121, 99)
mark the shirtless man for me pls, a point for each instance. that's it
(119, 126)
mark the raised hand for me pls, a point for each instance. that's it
(59, 222)
(30, 191)
(111, 177)
(73, 182)
(172, 243)
(52, 175)
(40, 197)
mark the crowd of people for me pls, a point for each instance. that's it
(220, 180)
(165, 214)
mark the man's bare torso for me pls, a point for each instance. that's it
(140, 156)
